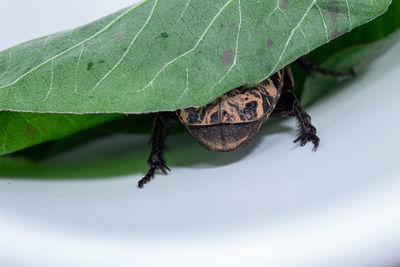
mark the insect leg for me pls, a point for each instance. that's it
(162, 124)
(311, 67)
(289, 105)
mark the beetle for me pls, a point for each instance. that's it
(233, 120)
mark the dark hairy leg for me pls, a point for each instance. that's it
(310, 67)
(162, 123)
(289, 105)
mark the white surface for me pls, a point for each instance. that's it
(271, 204)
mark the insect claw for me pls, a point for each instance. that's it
(147, 178)
(297, 140)
(165, 166)
(162, 169)
(315, 147)
(308, 135)
(165, 169)
(155, 164)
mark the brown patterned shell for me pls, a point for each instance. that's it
(241, 105)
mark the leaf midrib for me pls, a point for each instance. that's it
(76, 45)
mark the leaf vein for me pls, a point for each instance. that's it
(323, 21)
(187, 84)
(33, 125)
(71, 121)
(305, 38)
(349, 14)
(236, 49)
(73, 47)
(45, 42)
(10, 65)
(290, 38)
(284, 14)
(189, 51)
(76, 68)
(182, 14)
(128, 49)
(274, 10)
(51, 81)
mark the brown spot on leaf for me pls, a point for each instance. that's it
(261, 65)
(30, 132)
(227, 57)
(337, 34)
(192, 44)
(233, 25)
(285, 4)
(270, 42)
(118, 38)
(334, 14)
(334, 11)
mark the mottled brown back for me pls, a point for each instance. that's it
(241, 105)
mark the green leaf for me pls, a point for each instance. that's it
(354, 50)
(22, 130)
(368, 33)
(165, 55)
(357, 56)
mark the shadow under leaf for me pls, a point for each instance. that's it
(122, 154)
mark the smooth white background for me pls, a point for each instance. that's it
(271, 204)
